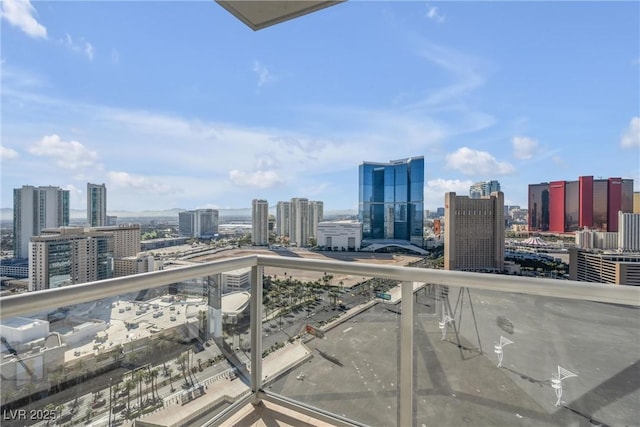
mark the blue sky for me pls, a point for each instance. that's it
(179, 104)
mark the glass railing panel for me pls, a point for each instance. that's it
(144, 356)
(491, 358)
(340, 352)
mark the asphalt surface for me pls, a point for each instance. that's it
(354, 370)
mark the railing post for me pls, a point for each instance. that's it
(256, 331)
(406, 356)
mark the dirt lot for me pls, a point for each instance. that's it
(348, 281)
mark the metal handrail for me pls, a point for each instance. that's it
(32, 302)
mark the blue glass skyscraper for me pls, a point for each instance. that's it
(391, 200)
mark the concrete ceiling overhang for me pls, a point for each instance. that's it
(259, 14)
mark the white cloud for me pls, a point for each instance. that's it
(435, 188)
(434, 14)
(524, 147)
(19, 13)
(257, 179)
(631, 135)
(138, 183)
(473, 162)
(68, 155)
(79, 46)
(265, 77)
(7, 153)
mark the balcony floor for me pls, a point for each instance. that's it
(271, 415)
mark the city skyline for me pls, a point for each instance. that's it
(184, 119)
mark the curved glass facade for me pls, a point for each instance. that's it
(391, 200)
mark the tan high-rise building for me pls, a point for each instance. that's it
(474, 232)
(283, 218)
(316, 212)
(299, 222)
(126, 239)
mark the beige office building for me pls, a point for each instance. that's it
(474, 233)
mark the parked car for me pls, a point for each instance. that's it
(98, 403)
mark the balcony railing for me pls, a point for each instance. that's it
(441, 347)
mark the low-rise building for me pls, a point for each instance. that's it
(340, 235)
(142, 263)
(604, 267)
(236, 280)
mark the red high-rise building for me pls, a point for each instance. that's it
(556, 206)
(567, 206)
(614, 203)
(586, 201)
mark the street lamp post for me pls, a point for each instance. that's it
(110, 408)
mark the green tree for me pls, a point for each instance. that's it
(169, 371)
(129, 385)
(182, 364)
(154, 379)
(139, 378)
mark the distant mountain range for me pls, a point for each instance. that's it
(6, 214)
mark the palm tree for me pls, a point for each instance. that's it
(326, 278)
(117, 354)
(129, 385)
(182, 363)
(139, 377)
(169, 371)
(154, 377)
(148, 380)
